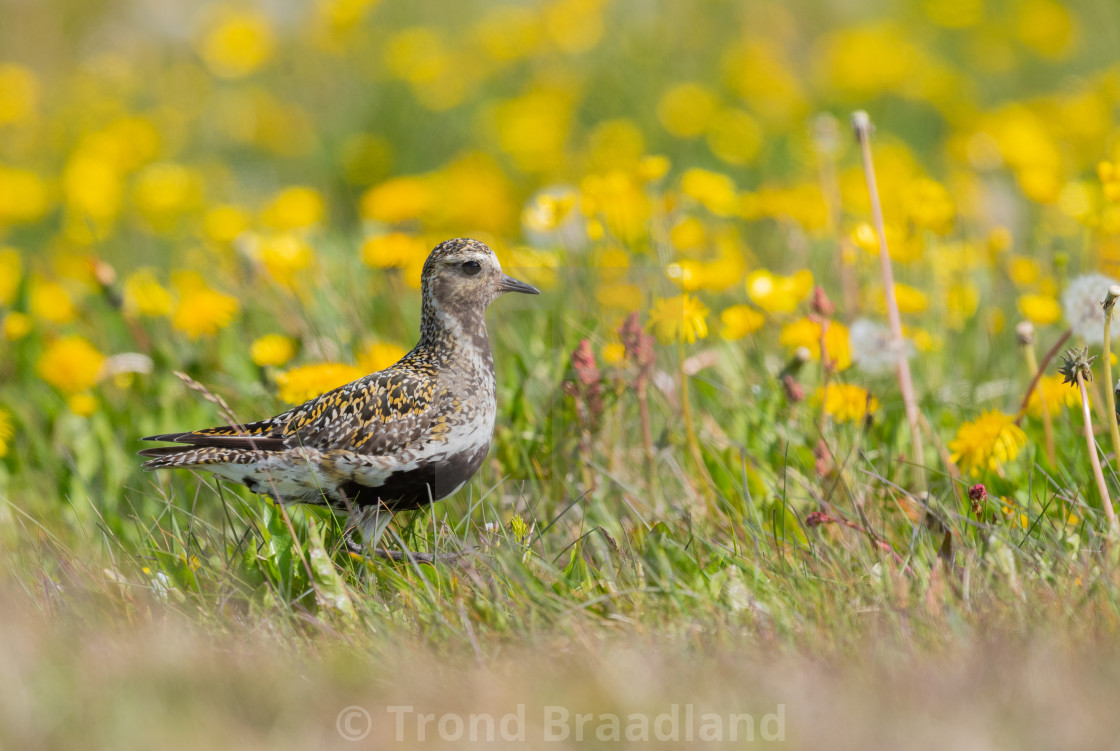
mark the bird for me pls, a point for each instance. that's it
(398, 439)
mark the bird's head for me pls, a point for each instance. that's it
(461, 277)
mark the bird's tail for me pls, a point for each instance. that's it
(206, 447)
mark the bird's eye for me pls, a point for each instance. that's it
(471, 267)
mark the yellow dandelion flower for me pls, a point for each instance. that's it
(7, 431)
(739, 321)
(296, 207)
(19, 93)
(909, 299)
(49, 301)
(272, 349)
(223, 224)
(237, 44)
(929, 205)
(24, 197)
(613, 353)
(394, 250)
(735, 137)
(306, 382)
(680, 318)
(378, 356)
(17, 326)
(71, 364)
(686, 109)
(688, 234)
(653, 167)
(1056, 392)
(987, 443)
(286, 257)
(83, 405)
(200, 311)
(806, 333)
(145, 296)
(712, 190)
(845, 402)
(779, 294)
(164, 191)
(11, 270)
(1041, 310)
(619, 296)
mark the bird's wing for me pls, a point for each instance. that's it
(379, 414)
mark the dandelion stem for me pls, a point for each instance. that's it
(861, 124)
(1050, 355)
(686, 413)
(1109, 397)
(1091, 444)
(1026, 341)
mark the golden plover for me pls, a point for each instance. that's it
(397, 439)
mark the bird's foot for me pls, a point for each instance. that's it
(407, 555)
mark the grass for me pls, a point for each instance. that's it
(758, 554)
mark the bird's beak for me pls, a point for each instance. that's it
(509, 284)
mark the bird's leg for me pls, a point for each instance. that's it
(373, 521)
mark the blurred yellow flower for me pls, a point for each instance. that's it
(295, 207)
(687, 274)
(620, 200)
(688, 234)
(739, 321)
(1056, 392)
(225, 223)
(845, 402)
(961, 303)
(619, 296)
(681, 318)
(286, 256)
(16, 326)
(653, 167)
(237, 43)
(615, 144)
(806, 333)
(49, 301)
(23, 196)
(613, 353)
(686, 109)
(83, 405)
(397, 200)
(538, 267)
(70, 364)
(533, 128)
(164, 191)
(11, 271)
(394, 250)
(19, 93)
(714, 191)
(735, 137)
(144, 295)
(1046, 26)
(508, 32)
(987, 443)
(306, 382)
(7, 430)
(378, 356)
(272, 349)
(779, 294)
(1041, 310)
(547, 211)
(200, 310)
(92, 186)
(909, 299)
(900, 247)
(1023, 271)
(929, 205)
(574, 26)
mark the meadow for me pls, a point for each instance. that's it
(737, 470)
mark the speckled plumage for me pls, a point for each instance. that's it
(408, 435)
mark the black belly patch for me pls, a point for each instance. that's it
(402, 491)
